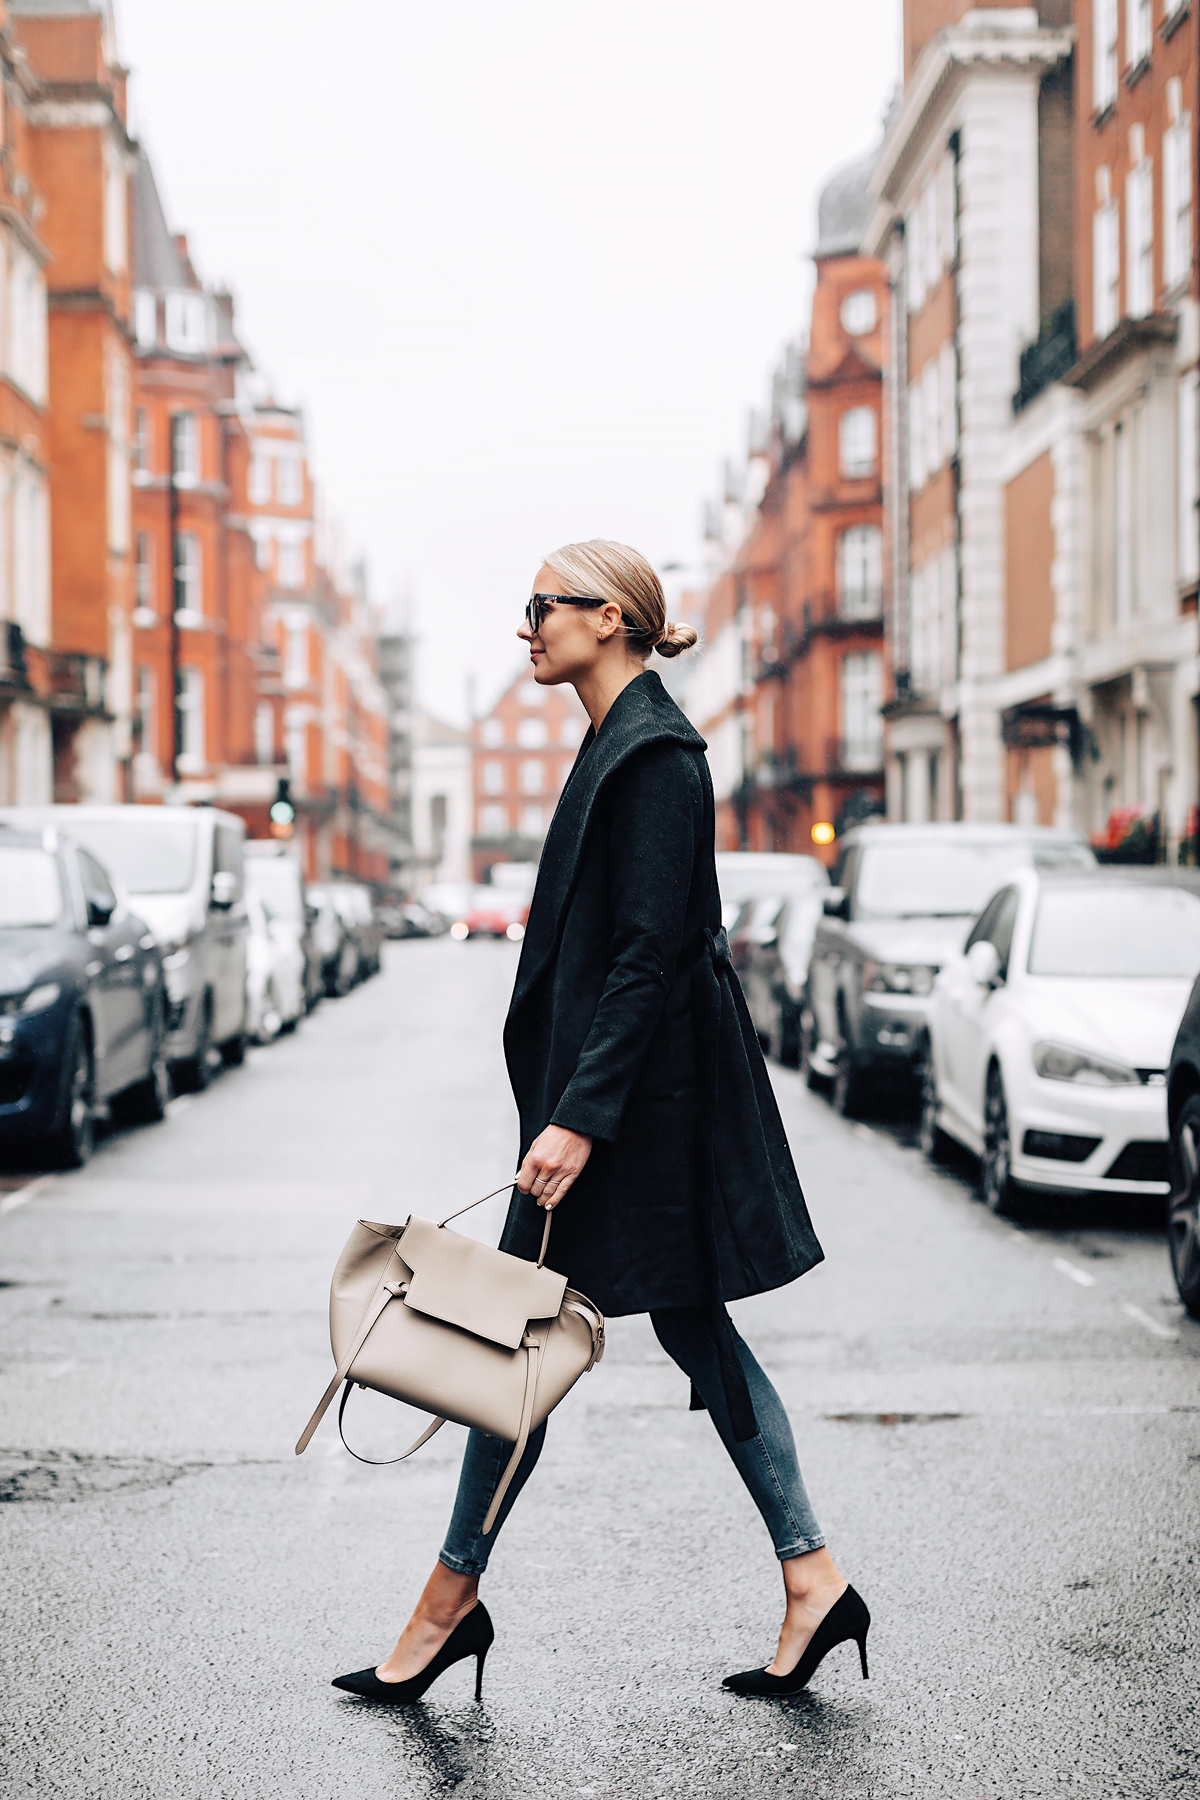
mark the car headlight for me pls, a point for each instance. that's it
(39, 998)
(1059, 1062)
(898, 978)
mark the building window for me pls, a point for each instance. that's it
(533, 776)
(1104, 54)
(1139, 230)
(530, 694)
(259, 485)
(493, 822)
(291, 565)
(1106, 264)
(491, 777)
(289, 480)
(189, 591)
(857, 443)
(1139, 31)
(859, 313)
(144, 711)
(185, 446)
(491, 734)
(187, 324)
(532, 734)
(189, 728)
(264, 733)
(1189, 478)
(570, 732)
(860, 572)
(145, 319)
(862, 695)
(143, 572)
(295, 672)
(439, 810)
(1177, 190)
(141, 439)
(532, 821)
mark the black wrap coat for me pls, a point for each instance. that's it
(627, 1023)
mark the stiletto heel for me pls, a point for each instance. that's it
(846, 1619)
(472, 1636)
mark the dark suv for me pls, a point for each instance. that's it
(903, 900)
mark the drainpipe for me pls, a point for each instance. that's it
(176, 603)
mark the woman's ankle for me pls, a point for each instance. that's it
(814, 1572)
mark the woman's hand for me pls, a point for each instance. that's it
(552, 1164)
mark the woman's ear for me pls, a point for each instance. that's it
(610, 620)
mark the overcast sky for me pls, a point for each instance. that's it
(525, 263)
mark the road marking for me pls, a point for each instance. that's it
(1143, 1318)
(1072, 1273)
(23, 1195)
(179, 1104)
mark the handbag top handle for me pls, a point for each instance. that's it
(458, 1212)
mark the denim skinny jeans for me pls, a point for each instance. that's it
(766, 1463)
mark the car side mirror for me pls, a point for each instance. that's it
(98, 913)
(224, 889)
(983, 963)
(835, 903)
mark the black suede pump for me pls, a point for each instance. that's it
(847, 1618)
(472, 1636)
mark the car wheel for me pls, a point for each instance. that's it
(233, 1050)
(931, 1136)
(73, 1140)
(999, 1189)
(1183, 1207)
(195, 1071)
(848, 1084)
(145, 1103)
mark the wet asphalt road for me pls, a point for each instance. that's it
(1000, 1429)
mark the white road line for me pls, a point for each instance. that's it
(1072, 1273)
(1143, 1318)
(23, 1195)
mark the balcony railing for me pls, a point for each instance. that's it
(13, 670)
(76, 682)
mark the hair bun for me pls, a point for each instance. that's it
(675, 639)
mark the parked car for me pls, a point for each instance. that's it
(273, 872)
(1049, 1038)
(181, 867)
(333, 943)
(903, 901)
(449, 900)
(275, 997)
(82, 1000)
(409, 919)
(771, 945)
(756, 874)
(1183, 1118)
(358, 909)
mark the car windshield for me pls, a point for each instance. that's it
(1152, 932)
(30, 890)
(934, 880)
(157, 858)
(277, 880)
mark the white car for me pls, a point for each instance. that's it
(274, 973)
(1050, 1036)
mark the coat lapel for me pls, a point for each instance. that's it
(643, 713)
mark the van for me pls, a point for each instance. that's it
(182, 869)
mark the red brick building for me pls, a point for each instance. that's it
(522, 752)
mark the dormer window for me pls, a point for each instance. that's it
(187, 324)
(145, 319)
(859, 313)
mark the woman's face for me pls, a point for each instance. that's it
(571, 639)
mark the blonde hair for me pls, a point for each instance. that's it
(615, 572)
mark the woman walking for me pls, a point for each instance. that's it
(648, 1122)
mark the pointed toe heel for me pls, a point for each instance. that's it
(472, 1636)
(847, 1619)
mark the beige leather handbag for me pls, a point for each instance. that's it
(445, 1323)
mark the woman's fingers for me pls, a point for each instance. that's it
(552, 1164)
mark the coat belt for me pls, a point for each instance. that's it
(711, 976)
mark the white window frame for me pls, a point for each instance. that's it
(857, 462)
(859, 312)
(533, 821)
(533, 775)
(532, 734)
(491, 777)
(185, 446)
(1106, 268)
(296, 664)
(145, 318)
(189, 707)
(1139, 239)
(860, 695)
(860, 572)
(1177, 192)
(289, 480)
(290, 567)
(264, 734)
(1188, 466)
(258, 481)
(187, 323)
(143, 572)
(189, 575)
(1139, 31)
(493, 821)
(1104, 54)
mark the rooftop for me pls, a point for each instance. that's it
(845, 207)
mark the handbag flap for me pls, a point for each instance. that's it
(468, 1284)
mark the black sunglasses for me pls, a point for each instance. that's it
(539, 605)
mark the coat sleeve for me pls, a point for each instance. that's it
(654, 825)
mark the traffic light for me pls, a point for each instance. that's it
(283, 813)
